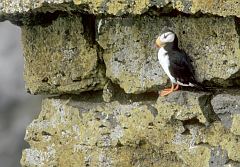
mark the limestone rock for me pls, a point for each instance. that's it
(227, 107)
(83, 133)
(108, 92)
(59, 58)
(217, 135)
(235, 129)
(131, 58)
(215, 7)
(81, 46)
(232, 164)
(85, 130)
(219, 157)
(183, 106)
(225, 103)
(129, 53)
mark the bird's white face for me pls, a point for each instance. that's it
(165, 38)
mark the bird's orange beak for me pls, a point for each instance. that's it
(159, 44)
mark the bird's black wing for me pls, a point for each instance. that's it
(181, 68)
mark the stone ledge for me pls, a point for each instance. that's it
(118, 8)
(88, 131)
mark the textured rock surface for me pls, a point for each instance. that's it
(216, 7)
(59, 58)
(76, 46)
(87, 132)
(66, 59)
(227, 107)
(235, 124)
(217, 135)
(221, 103)
(184, 106)
(129, 53)
(131, 58)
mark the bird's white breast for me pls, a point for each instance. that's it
(163, 59)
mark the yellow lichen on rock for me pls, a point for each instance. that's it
(94, 132)
(185, 106)
(217, 135)
(179, 5)
(114, 7)
(235, 124)
(140, 6)
(131, 58)
(222, 8)
(59, 59)
(88, 135)
(121, 7)
(82, 47)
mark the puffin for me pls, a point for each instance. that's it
(175, 63)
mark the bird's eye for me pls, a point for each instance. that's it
(165, 36)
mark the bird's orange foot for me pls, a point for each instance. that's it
(169, 90)
(165, 92)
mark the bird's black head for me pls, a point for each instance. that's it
(167, 39)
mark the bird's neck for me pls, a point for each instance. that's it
(171, 46)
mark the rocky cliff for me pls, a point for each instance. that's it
(99, 61)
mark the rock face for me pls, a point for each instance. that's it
(227, 107)
(129, 53)
(161, 133)
(67, 61)
(216, 7)
(131, 59)
(99, 59)
(64, 61)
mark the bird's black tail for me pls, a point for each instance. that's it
(200, 86)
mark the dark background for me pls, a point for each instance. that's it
(17, 108)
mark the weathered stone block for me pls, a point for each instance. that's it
(131, 58)
(185, 106)
(59, 58)
(216, 135)
(129, 53)
(87, 131)
(235, 129)
(226, 103)
(227, 107)
(121, 7)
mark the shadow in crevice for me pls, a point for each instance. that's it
(207, 109)
(118, 94)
